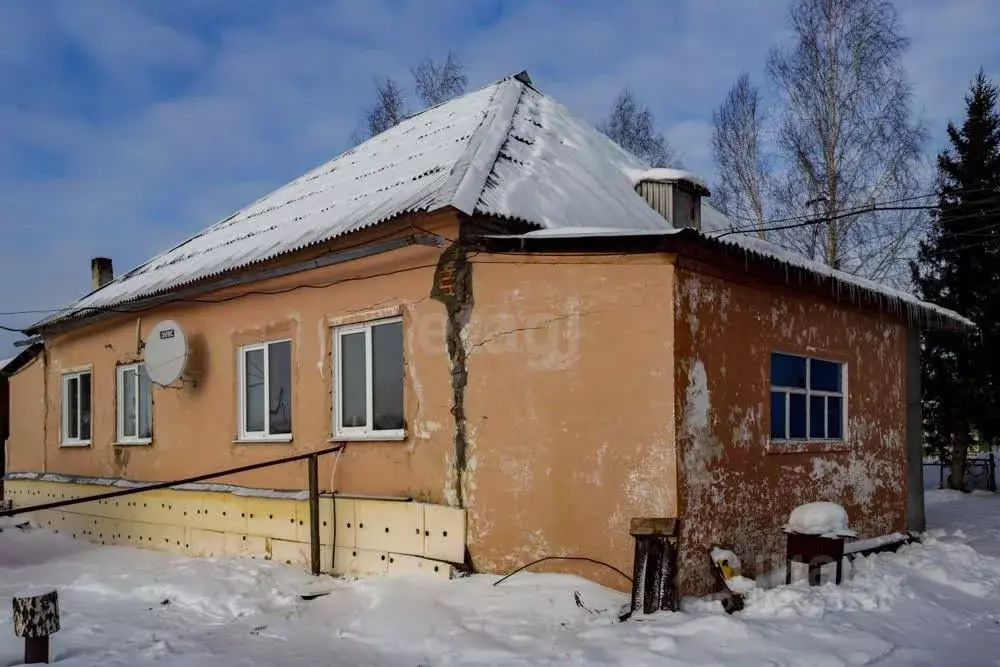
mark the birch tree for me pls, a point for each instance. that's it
(435, 82)
(632, 127)
(744, 178)
(389, 107)
(847, 135)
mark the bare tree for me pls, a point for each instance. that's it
(389, 108)
(631, 126)
(435, 82)
(847, 134)
(744, 179)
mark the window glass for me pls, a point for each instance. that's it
(788, 371)
(85, 406)
(778, 414)
(145, 405)
(835, 417)
(815, 411)
(72, 404)
(387, 376)
(796, 416)
(824, 375)
(129, 386)
(817, 416)
(279, 376)
(253, 374)
(353, 381)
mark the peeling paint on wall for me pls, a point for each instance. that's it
(736, 487)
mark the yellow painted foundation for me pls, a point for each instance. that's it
(367, 536)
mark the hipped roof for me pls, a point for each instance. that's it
(505, 150)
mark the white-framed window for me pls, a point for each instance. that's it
(135, 405)
(265, 393)
(368, 380)
(76, 408)
(808, 398)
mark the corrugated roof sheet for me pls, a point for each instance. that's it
(504, 150)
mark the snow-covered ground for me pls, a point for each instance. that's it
(931, 604)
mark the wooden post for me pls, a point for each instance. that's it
(654, 583)
(314, 514)
(991, 481)
(816, 551)
(35, 618)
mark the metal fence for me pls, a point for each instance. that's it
(980, 473)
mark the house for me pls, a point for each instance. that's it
(523, 336)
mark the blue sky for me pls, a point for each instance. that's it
(126, 125)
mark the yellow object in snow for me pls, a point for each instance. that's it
(727, 571)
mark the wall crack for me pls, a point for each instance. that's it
(453, 287)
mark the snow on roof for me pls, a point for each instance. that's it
(715, 223)
(577, 232)
(505, 150)
(764, 248)
(664, 175)
(4, 363)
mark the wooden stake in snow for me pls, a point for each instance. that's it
(35, 618)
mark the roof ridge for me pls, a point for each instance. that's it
(469, 175)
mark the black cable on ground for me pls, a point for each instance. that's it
(575, 558)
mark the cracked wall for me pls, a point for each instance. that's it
(569, 408)
(736, 489)
(453, 288)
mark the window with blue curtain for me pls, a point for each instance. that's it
(807, 398)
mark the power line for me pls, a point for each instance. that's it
(826, 219)
(863, 210)
(808, 218)
(803, 216)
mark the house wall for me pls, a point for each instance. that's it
(737, 489)
(195, 422)
(358, 536)
(569, 409)
(24, 447)
(566, 395)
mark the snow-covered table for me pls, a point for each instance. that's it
(815, 551)
(816, 533)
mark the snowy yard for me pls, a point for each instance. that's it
(932, 603)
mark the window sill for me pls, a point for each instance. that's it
(807, 446)
(267, 440)
(81, 443)
(134, 443)
(378, 436)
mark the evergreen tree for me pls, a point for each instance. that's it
(959, 267)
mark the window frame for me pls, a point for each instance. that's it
(361, 432)
(64, 439)
(808, 393)
(243, 435)
(121, 438)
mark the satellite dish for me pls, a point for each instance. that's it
(166, 352)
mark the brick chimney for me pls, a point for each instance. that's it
(674, 194)
(101, 272)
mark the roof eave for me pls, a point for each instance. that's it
(83, 316)
(690, 242)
